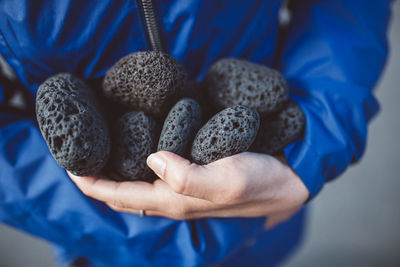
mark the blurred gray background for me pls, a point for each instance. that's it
(354, 221)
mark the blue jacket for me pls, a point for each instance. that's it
(332, 56)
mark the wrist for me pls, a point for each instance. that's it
(297, 190)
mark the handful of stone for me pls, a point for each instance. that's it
(147, 104)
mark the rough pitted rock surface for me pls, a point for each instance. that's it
(233, 82)
(149, 81)
(180, 126)
(229, 132)
(72, 124)
(280, 129)
(135, 137)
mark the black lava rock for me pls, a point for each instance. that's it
(280, 129)
(233, 82)
(149, 81)
(229, 132)
(134, 137)
(182, 122)
(72, 124)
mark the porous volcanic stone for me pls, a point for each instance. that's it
(72, 124)
(134, 138)
(233, 82)
(229, 132)
(280, 129)
(180, 126)
(149, 81)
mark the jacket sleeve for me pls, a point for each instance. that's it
(333, 55)
(36, 196)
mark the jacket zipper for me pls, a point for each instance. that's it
(150, 24)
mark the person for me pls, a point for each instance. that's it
(247, 209)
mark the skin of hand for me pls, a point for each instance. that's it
(242, 185)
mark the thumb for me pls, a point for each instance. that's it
(181, 175)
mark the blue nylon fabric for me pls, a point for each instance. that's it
(333, 56)
(346, 47)
(50, 206)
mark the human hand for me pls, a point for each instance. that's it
(243, 185)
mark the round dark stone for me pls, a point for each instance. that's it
(134, 139)
(280, 129)
(233, 82)
(229, 132)
(72, 124)
(149, 81)
(182, 122)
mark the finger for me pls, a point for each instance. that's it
(121, 209)
(186, 208)
(136, 195)
(129, 210)
(147, 213)
(137, 212)
(172, 215)
(157, 198)
(187, 178)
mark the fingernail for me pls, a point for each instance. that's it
(157, 164)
